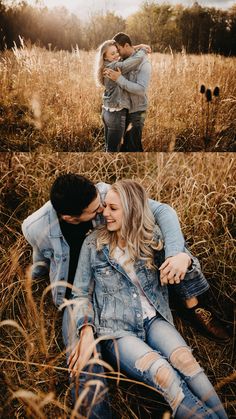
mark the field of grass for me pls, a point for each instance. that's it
(49, 100)
(200, 186)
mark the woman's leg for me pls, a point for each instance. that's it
(142, 363)
(114, 123)
(162, 336)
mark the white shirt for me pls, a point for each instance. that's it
(121, 257)
(112, 109)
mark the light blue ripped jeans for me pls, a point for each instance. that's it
(165, 362)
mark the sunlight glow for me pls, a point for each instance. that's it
(84, 8)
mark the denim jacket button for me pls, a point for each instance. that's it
(134, 295)
(107, 272)
(138, 315)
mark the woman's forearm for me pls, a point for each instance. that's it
(85, 329)
(82, 351)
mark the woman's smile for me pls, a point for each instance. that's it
(113, 212)
(112, 53)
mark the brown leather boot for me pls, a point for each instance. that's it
(208, 324)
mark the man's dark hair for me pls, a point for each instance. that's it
(122, 38)
(71, 193)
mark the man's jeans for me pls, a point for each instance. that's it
(133, 132)
(114, 128)
(100, 408)
(193, 285)
(164, 361)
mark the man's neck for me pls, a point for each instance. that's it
(130, 52)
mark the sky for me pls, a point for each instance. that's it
(122, 7)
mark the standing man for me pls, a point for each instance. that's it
(136, 84)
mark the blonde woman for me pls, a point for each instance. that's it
(116, 101)
(120, 298)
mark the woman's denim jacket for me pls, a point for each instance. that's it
(114, 96)
(105, 296)
(51, 251)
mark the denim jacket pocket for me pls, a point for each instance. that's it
(112, 312)
(47, 253)
(56, 259)
(108, 278)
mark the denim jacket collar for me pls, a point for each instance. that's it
(53, 222)
(54, 225)
(138, 265)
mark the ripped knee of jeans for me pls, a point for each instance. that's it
(145, 362)
(163, 377)
(183, 360)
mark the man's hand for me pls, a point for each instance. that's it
(174, 269)
(83, 350)
(112, 74)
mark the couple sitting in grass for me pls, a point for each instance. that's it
(119, 274)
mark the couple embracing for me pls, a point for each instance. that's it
(119, 275)
(124, 71)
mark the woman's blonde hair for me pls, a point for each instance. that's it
(99, 61)
(138, 224)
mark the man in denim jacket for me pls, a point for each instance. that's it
(57, 230)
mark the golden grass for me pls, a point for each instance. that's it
(178, 112)
(50, 100)
(201, 187)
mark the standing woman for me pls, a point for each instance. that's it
(120, 297)
(116, 101)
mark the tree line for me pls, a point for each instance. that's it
(195, 29)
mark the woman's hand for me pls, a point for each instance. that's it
(174, 269)
(144, 46)
(83, 350)
(112, 74)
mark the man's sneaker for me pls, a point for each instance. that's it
(208, 324)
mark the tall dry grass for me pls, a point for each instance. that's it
(178, 114)
(201, 187)
(50, 99)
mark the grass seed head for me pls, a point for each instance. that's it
(208, 95)
(202, 89)
(216, 91)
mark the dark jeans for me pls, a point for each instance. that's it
(133, 132)
(95, 404)
(114, 128)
